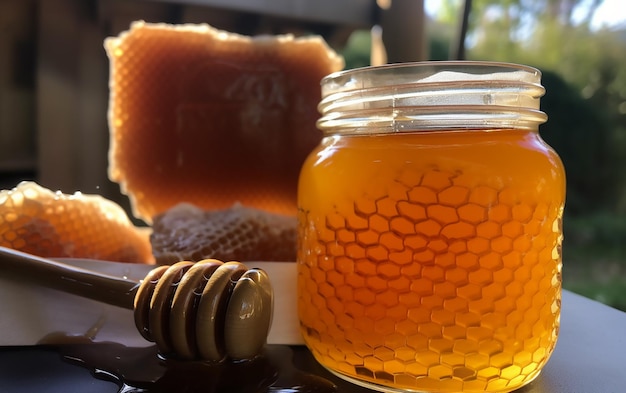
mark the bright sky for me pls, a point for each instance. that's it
(610, 14)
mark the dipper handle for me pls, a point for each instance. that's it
(108, 289)
(207, 310)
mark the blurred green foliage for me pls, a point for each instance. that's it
(582, 136)
(357, 50)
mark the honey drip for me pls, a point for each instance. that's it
(141, 370)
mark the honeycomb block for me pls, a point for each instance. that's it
(188, 233)
(211, 118)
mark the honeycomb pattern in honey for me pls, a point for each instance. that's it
(211, 118)
(435, 283)
(36, 220)
(188, 233)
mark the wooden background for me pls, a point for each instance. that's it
(54, 70)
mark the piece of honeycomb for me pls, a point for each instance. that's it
(188, 233)
(211, 118)
(36, 220)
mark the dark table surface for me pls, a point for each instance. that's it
(589, 358)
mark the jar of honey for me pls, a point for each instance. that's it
(429, 255)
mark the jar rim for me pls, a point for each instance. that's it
(432, 95)
(436, 66)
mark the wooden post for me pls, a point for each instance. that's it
(404, 31)
(58, 102)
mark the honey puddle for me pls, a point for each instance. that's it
(141, 370)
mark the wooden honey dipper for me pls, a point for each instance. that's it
(207, 310)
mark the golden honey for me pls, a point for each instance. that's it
(429, 255)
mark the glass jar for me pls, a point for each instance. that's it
(429, 255)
